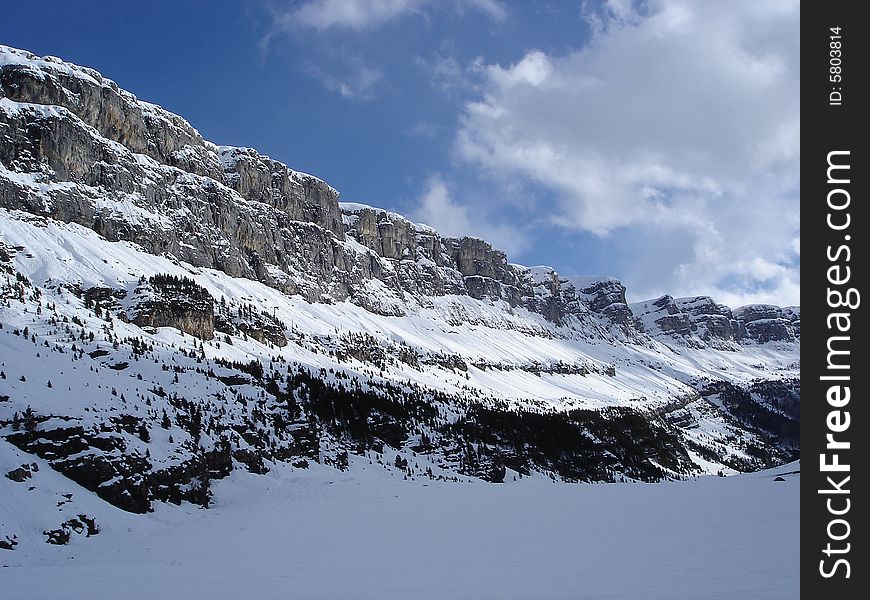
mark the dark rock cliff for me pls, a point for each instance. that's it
(77, 148)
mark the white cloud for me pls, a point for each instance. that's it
(357, 84)
(446, 73)
(674, 131)
(435, 207)
(360, 15)
(494, 9)
(534, 70)
(601, 16)
(347, 14)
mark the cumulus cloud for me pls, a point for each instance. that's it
(360, 15)
(674, 131)
(437, 208)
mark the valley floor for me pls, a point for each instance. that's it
(321, 533)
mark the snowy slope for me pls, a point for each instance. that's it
(68, 359)
(508, 343)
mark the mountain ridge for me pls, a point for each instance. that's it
(422, 261)
(174, 311)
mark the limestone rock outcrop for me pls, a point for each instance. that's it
(77, 148)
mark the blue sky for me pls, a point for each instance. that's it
(655, 141)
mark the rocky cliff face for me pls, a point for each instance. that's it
(793, 314)
(77, 148)
(702, 321)
(83, 150)
(429, 264)
(766, 323)
(165, 301)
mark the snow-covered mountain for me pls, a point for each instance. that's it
(174, 311)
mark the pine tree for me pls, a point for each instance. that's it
(29, 419)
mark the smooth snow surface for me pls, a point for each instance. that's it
(318, 534)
